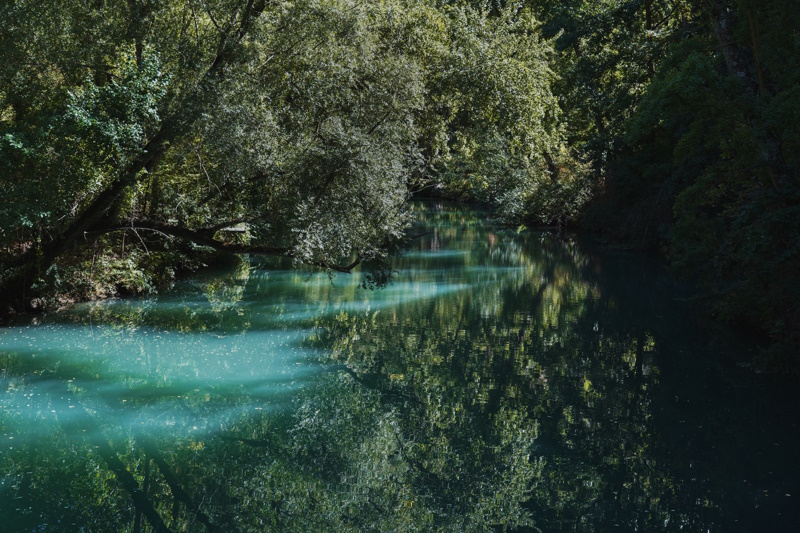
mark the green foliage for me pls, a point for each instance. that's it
(547, 201)
(499, 121)
(687, 113)
(116, 117)
(308, 124)
(305, 124)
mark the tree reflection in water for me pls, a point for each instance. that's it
(503, 381)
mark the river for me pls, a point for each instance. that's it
(505, 379)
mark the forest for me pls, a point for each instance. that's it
(140, 139)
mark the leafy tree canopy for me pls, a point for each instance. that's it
(300, 125)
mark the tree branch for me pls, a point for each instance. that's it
(204, 237)
(344, 269)
(174, 486)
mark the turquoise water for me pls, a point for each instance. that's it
(519, 381)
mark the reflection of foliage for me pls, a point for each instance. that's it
(225, 293)
(522, 352)
(499, 382)
(342, 462)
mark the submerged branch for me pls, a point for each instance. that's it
(174, 485)
(130, 485)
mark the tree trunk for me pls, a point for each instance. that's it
(723, 22)
(174, 125)
(752, 22)
(736, 57)
(551, 166)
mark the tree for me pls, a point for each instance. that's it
(684, 111)
(717, 121)
(306, 122)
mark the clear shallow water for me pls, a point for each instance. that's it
(503, 380)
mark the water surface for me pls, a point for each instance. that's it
(504, 380)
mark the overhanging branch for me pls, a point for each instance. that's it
(205, 237)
